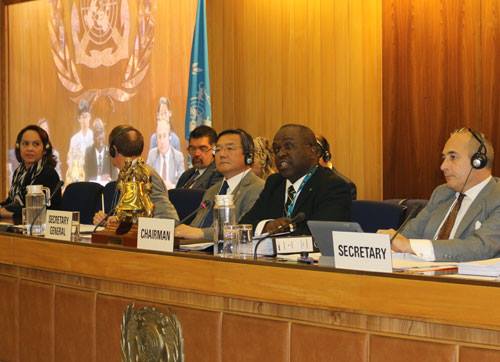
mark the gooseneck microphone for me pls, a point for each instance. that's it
(205, 204)
(402, 226)
(56, 190)
(290, 228)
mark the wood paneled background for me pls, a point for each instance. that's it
(384, 80)
(441, 71)
(314, 62)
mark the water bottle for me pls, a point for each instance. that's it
(37, 200)
(224, 214)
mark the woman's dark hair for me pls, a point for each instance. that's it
(48, 156)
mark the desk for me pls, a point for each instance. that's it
(65, 301)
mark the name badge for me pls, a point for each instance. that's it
(362, 251)
(293, 244)
(59, 225)
(155, 234)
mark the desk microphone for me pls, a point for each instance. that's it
(408, 218)
(56, 190)
(297, 219)
(205, 204)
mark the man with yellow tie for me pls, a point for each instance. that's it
(461, 222)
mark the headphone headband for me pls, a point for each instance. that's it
(479, 159)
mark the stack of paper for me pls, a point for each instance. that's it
(487, 268)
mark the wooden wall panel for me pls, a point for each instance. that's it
(440, 72)
(35, 91)
(314, 62)
(3, 103)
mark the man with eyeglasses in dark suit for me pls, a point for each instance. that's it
(203, 174)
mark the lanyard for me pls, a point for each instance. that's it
(302, 184)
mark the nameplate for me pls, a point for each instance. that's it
(293, 244)
(362, 251)
(58, 225)
(155, 234)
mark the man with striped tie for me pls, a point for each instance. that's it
(234, 153)
(299, 187)
(461, 221)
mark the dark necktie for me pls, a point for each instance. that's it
(210, 215)
(223, 189)
(189, 183)
(289, 198)
(445, 231)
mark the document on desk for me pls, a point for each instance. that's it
(89, 229)
(487, 268)
(412, 263)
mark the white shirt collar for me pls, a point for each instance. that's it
(475, 190)
(296, 184)
(234, 181)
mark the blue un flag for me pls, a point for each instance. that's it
(199, 109)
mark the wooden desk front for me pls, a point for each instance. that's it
(64, 301)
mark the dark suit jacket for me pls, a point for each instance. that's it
(324, 197)
(49, 178)
(209, 178)
(352, 185)
(91, 164)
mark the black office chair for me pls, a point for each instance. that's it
(85, 197)
(111, 196)
(413, 206)
(185, 201)
(375, 215)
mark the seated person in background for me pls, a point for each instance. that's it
(79, 143)
(263, 163)
(165, 159)
(325, 160)
(165, 113)
(98, 165)
(203, 174)
(127, 143)
(36, 167)
(233, 158)
(300, 186)
(461, 222)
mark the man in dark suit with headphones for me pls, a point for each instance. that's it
(234, 152)
(461, 222)
(301, 186)
(127, 143)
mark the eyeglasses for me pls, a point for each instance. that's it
(228, 148)
(203, 149)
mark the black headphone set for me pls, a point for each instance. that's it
(246, 142)
(479, 159)
(43, 136)
(324, 148)
(112, 147)
(248, 146)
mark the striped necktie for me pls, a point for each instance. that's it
(289, 198)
